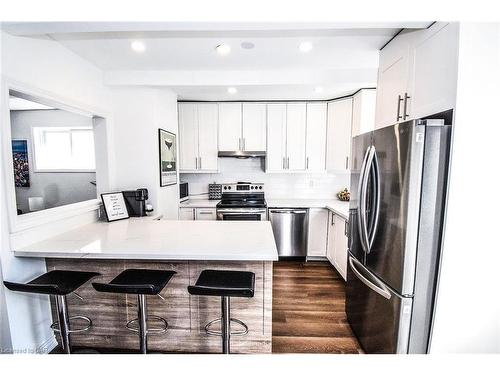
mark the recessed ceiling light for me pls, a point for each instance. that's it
(247, 45)
(318, 90)
(138, 46)
(223, 49)
(232, 90)
(305, 46)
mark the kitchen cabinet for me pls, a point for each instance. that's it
(242, 127)
(198, 124)
(337, 243)
(363, 111)
(186, 213)
(200, 213)
(317, 232)
(316, 136)
(295, 136)
(417, 74)
(254, 127)
(340, 246)
(434, 80)
(339, 134)
(230, 127)
(205, 214)
(276, 137)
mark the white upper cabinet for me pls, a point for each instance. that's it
(188, 136)
(296, 136)
(434, 81)
(254, 127)
(417, 74)
(230, 127)
(207, 133)
(316, 136)
(198, 137)
(363, 111)
(339, 134)
(276, 137)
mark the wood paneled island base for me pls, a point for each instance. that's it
(186, 314)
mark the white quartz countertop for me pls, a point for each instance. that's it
(201, 203)
(162, 239)
(339, 207)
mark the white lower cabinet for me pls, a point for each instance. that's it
(317, 232)
(199, 213)
(186, 213)
(337, 243)
(205, 214)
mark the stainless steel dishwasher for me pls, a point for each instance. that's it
(290, 230)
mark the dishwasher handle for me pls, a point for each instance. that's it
(287, 211)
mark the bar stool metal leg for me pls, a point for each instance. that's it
(63, 319)
(142, 316)
(226, 325)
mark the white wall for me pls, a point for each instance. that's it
(276, 186)
(467, 317)
(48, 67)
(56, 188)
(138, 114)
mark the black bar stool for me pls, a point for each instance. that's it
(225, 284)
(59, 284)
(140, 282)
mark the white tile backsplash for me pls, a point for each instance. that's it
(277, 185)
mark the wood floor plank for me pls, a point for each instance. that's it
(309, 310)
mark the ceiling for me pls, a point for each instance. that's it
(182, 56)
(20, 104)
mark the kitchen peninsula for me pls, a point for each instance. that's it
(186, 247)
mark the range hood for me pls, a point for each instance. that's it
(242, 154)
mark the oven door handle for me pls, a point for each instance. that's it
(237, 212)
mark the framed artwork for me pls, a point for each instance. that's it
(21, 164)
(168, 154)
(114, 206)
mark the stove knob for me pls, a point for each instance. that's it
(251, 187)
(229, 187)
(225, 187)
(260, 187)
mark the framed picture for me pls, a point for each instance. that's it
(168, 154)
(21, 165)
(114, 206)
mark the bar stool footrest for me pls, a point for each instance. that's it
(213, 332)
(133, 325)
(55, 326)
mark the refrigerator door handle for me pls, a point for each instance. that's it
(361, 200)
(374, 285)
(376, 207)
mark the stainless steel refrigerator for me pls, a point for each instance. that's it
(396, 213)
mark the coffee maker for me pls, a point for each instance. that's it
(135, 200)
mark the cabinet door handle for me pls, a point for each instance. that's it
(405, 106)
(239, 144)
(244, 144)
(400, 99)
(347, 162)
(307, 162)
(200, 162)
(196, 162)
(194, 214)
(333, 216)
(288, 162)
(205, 212)
(284, 163)
(346, 229)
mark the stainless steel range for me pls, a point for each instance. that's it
(242, 201)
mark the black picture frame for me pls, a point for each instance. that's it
(104, 204)
(167, 167)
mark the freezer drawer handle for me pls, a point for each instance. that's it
(379, 289)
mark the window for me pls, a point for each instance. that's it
(63, 149)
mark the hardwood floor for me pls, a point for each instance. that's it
(308, 310)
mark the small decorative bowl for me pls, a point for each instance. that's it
(344, 195)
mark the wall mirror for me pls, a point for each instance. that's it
(53, 154)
